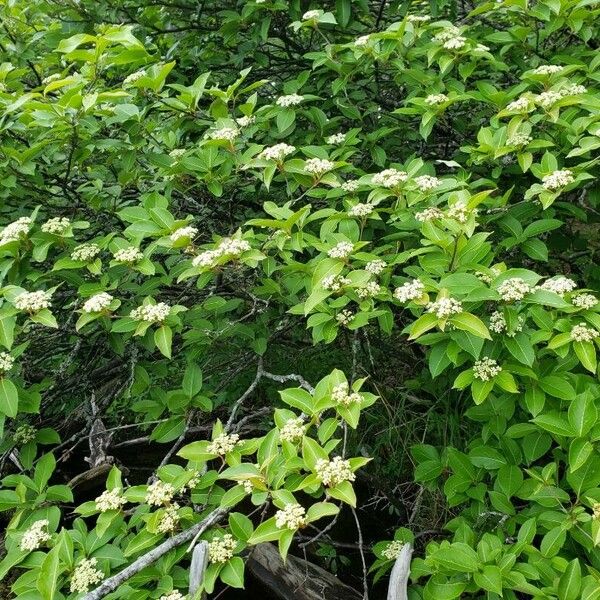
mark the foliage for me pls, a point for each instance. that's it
(187, 191)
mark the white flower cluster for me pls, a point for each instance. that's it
(370, 290)
(410, 290)
(495, 271)
(498, 324)
(596, 511)
(224, 133)
(585, 301)
(583, 333)
(559, 285)
(375, 267)
(151, 313)
(221, 549)
(450, 38)
(289, 100)
(229, 247)
(557, 179)
(318, 166)
(547, 99)
(24, 434)
(311, 14)
(392, 550)
(194, 481)
(293, 430)
(572, 89)
(519, 139)
(418, 18)
(128, 255)
(85, 576)
(434, 99)
(292, 516)
(518, 105)
(361, 210)
(133, 77)
(335, 283)
(56, 225)
(362, 41)
(223, 443)
(427, 183)
(187, 232)
(547, 70)
(245, 120)
(177, 152)
(345, 317)
(35, 536)
(32, 301)
(174, 595)
(429, 214)
(341, 250)
(277, 152)
(169, 520)
(16, 230)
(336, 138)
(350, 186)
(6, 362)
(390, 178)
(159, 493)
(97, 303)
(445, 307)
(248, 486)
(513, 289)
(333, 472)
(110, 500)
(85, 252)
(460, 212)
(340, 395)
(486, 368)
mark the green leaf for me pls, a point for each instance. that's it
(163, 338)
(457, 557)
(471, 323)
(298, 398)
(312, 452)
(232, 573)
(47, 582)
(192, 380)
(321, 509)
(586, 353)
(265, 532)
(521, 348)
(9, 398)
(422, 324)
(343, 491)
(569, 584)
(557, 386)
(490, 579)
(582, 414)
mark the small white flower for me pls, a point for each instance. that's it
(559, 285)
(335, 283)
(518, 105)
(318, 166)
(375, 267)
(224, 133)
(293, 430)
(572, 89)
(547, 99)
(429, 214)
(277, 152)
(6, 362)
(131, 79)
(245, 120)
(418, 18)
(350, 186)
(128, 255)
(97, 303)
(292, 516)
(459, 211)
(547, 70)
(583, 333)
(24, 434)
(221, 549)
(187, 232)
(519, 139)
(110, 500)
(151, 313)
(85, 252)
(455, 43)
(85, 576)
(345, 317)
(497, 322)
(311, 14)
(341, 250)
(223, 443)
(32, 301)
(585, 301)
(175, 595)
(341, 395)
(445, 307)
(557, 180)
(56, 225)
(336, 138)
(334, 472)
(390, 178)
(289, 100)
(361, 210)
(426, 183)
(169, 520)
(35, 536)
(486, 368)
(370, 290)
(362, 41)
(16, 231)
(434, 99)
(392, 550)
(159, 493)
(410, 290)
(513, 289)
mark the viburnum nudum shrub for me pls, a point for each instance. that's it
(189, 200)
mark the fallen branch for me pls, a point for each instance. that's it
(398, 586)
(112, 583)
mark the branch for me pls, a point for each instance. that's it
(112, 583)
